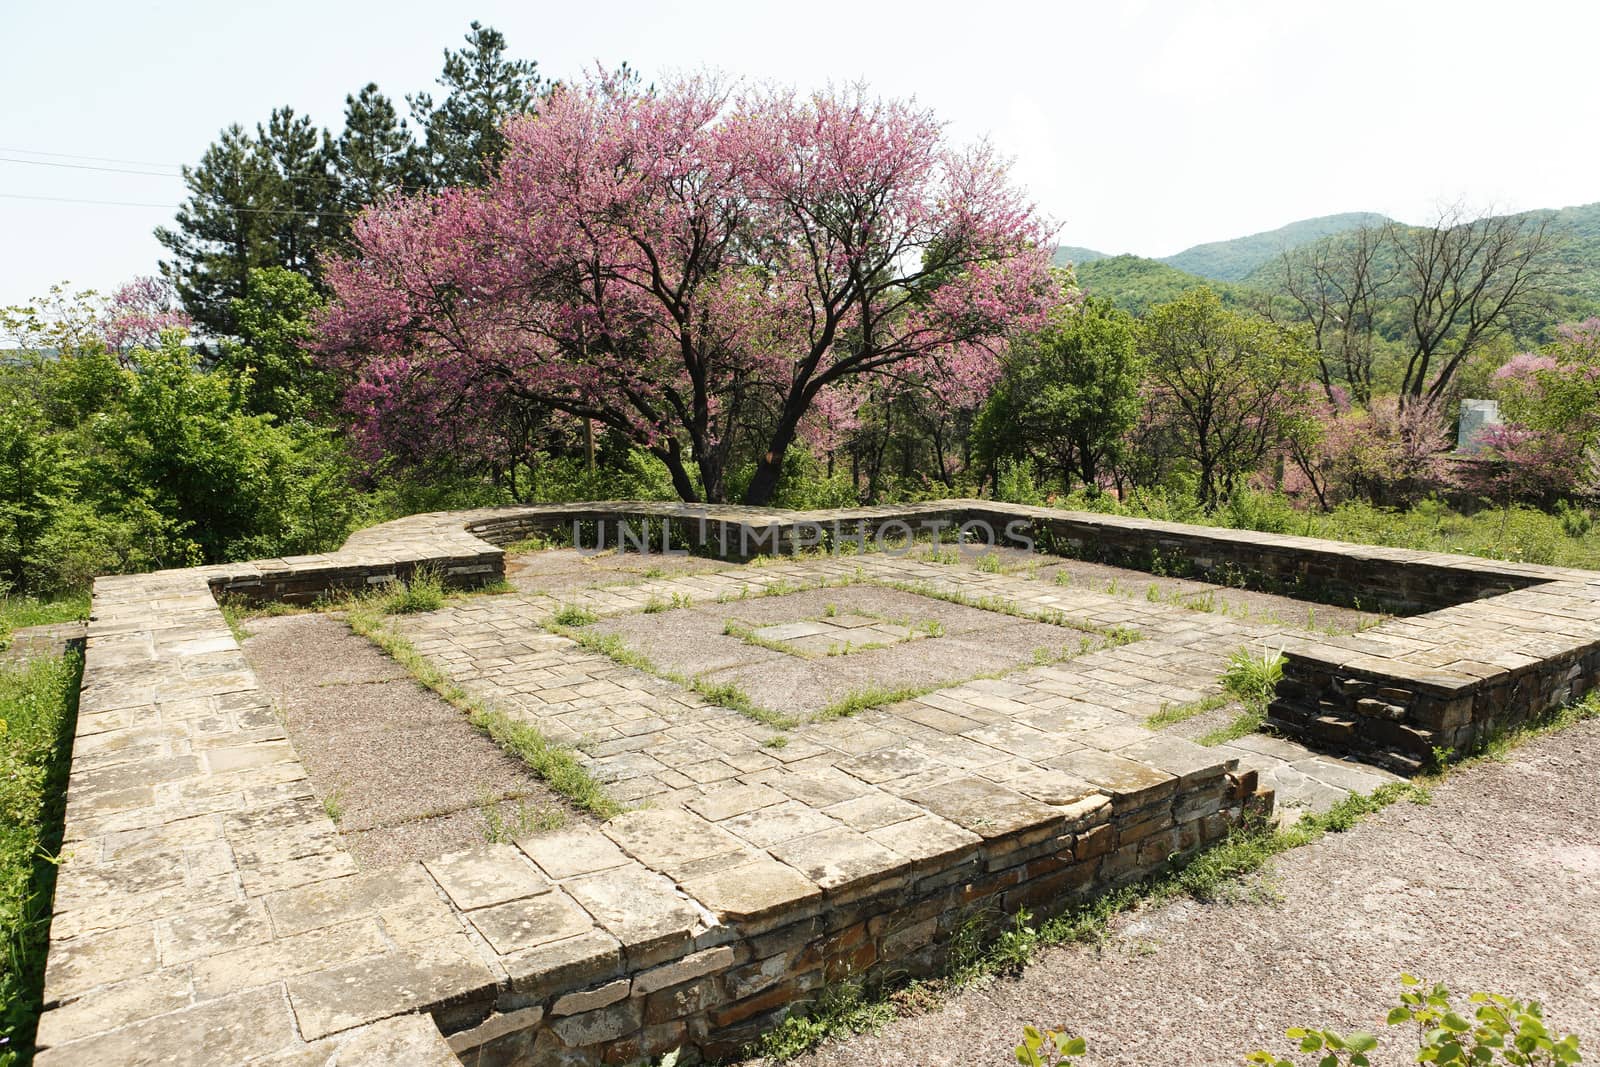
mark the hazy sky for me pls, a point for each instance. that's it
(1143, 127)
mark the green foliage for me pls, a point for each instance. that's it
(1049, 1048)
(1136, 285)
(483, 89)
(423, 591)
(841, 1007)
(1252, 678)
(573, 615)
(1225, 389)
(1069, 394)
(38, 705)
(1500, 1030)
(270, 354)
(219, 475)
(34, 481)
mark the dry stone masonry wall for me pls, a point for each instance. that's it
(207, 913)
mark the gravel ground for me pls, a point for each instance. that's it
(1495, 885)
(408, 775)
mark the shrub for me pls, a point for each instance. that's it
(1049, 1048)
(1502, 1030)
(573, 615)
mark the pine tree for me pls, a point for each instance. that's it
(376, 155)
(307, 212)
(484, 88)
(223, 230)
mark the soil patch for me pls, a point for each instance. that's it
(404, 773)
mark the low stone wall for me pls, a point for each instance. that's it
(708, 945)
(1415, 691)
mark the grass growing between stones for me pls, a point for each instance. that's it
(555, 764)
(38, 710)
(1114, 635)
(1172, 714)
(723, 694)
(1252, 679)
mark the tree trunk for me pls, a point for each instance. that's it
(765, 482)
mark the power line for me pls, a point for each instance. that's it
(89, 166)
(92, 159)
(176, 207)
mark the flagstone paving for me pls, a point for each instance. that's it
(653, 741)
(208, 910)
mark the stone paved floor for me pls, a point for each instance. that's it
(1038, 729)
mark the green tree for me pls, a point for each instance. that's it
(270, 354)
(1229, 386)
(35, 476)
(482, 89)
(271, 200)
(222, 230)
(185, 445)
(1069, 394)
(376, 155)
(305, 213)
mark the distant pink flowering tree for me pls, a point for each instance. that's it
(694, 267)
(1387, 452)
(1549, 445)
(139, 312)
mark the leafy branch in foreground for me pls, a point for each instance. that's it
(1502, 1030)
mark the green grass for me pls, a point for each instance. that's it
(573, 615)
(423, 591)
(555, 764)
(875, 696)
(1172, 714)
(1244, 724)
(18, 612)
(1251, 678)
(724, 694)
(38, 708)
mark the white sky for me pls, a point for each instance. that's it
(1143, 126)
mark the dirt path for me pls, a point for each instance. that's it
(1495, 885)
(404, 774)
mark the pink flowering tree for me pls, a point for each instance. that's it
(693, 267)
(1549, 445)
(139, 312)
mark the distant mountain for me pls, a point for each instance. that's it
(1243, 270)
(1136, 284)
(1237, 259)
(1072, 255)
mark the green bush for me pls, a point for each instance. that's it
(1049, 1048)
(1252, 678)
